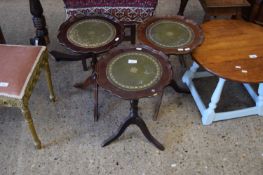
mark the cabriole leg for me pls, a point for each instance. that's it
(28, 119)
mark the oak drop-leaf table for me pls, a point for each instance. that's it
(232, 50)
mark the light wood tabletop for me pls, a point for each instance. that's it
(232, 49)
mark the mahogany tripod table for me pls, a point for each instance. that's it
(174, 35)
(131, 74)
(232, 51)
(88, 37)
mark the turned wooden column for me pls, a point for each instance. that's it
(2, 38)
(39, 21)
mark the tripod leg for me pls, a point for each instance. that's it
(90, 80)
(96, 109)
(119, 132)
(84, 85)
(141, 124)
(158, 105)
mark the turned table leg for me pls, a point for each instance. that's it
(39, 22)
(259, 102)
(209, 113)
(189, 75)
(29, 121)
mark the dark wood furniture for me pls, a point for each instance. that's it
(232, 51)
(173, 36)
(255, 12)
(39, 21)
(128, 12)
(2, 38)
(133, 73)
(90, 36)
(229, 8)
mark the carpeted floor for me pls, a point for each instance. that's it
(72, 140)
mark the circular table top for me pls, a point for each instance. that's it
(133, 73)
(172, 35)
(86, 34)
(232, 49)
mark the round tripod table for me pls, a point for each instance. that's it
(131, 74)
(89, 36)
(231, 51)
(172, 35)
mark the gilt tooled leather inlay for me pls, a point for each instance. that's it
(16, 63)
(169, 34)
(91, 33)
(134, 71)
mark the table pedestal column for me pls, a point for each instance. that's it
(134, 118)
(91, 80)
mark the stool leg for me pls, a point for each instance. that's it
(28, 118)
(49, 81)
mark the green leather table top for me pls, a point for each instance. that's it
(134, 71)
(91, 33)
(169, 34)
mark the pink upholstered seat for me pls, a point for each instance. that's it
(124, 10)
(16, 66)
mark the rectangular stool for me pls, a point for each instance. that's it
(20, 67)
